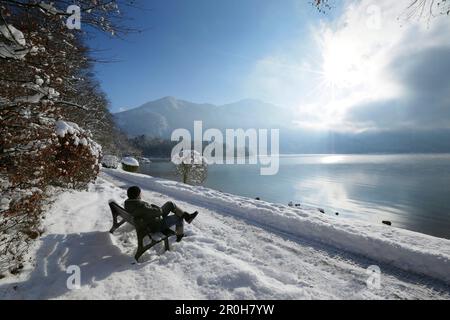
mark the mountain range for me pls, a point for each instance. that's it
(159, 118)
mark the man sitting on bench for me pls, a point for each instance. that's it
(157, 218)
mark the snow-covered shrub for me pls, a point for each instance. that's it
(191, 166)
(130, 164)
(45, 76)
(62, 154)
(19, 225)
(76, 160)
(110, 161)
(25, 154)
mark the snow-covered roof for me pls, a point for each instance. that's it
(130, 161)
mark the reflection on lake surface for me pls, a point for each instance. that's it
(412, 191)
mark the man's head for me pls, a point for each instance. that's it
(134, 192)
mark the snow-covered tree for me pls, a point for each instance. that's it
(191, 166)
(45, 87)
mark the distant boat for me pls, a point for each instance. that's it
(145, 160)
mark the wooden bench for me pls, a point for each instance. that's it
(141, 227)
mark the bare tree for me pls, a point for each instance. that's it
(322, 5)
(416, 8)
(427, 9)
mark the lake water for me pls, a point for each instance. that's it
(411, 191)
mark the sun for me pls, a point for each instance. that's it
(342, 78)
(342, 66)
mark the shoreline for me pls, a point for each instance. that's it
(405, 249)
(364, 200)
(237, 249)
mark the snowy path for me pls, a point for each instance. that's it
(224, 256)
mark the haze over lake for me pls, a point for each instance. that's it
(412, 191)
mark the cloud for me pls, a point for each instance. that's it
(367, 70)
(425, 102)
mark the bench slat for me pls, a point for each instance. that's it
(124, 214)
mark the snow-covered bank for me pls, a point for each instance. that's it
(404, 249)
(228, 252)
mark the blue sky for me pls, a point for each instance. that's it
(200, 50)
(362, 66)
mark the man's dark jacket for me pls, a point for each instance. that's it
(150, 213)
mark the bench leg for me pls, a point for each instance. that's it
(166, 244)
(116, 224)
(140, 249)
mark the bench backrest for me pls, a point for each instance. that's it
(122, 212)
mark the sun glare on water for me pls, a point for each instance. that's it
(332, 159)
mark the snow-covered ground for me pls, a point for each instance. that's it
(237, 248)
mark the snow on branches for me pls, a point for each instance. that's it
(77, 156)
(14, 44)
(46, 87)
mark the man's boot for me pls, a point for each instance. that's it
(189, 217)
